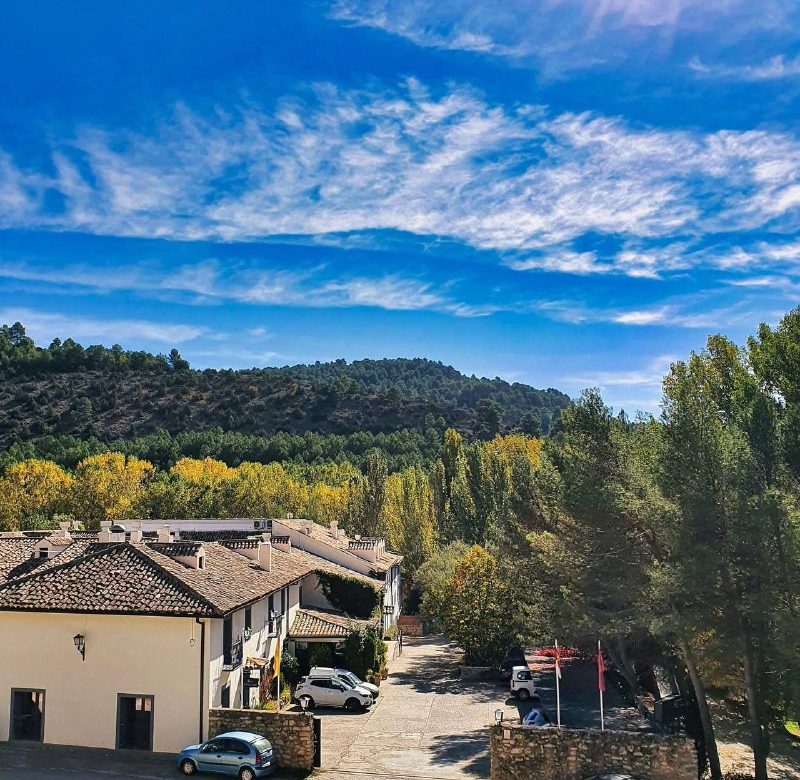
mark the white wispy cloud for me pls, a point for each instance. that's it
(45, 326)
(210, 282)
(335, 163)
(777, 67)
(564, 35)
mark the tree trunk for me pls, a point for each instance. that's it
(702, 706)
(617, 660)
(760, 736)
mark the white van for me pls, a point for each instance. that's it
(347, 676)
(522, 683)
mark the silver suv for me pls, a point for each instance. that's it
(332, 692)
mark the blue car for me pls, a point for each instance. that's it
(237, 753)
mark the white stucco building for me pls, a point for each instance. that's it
(118, 639)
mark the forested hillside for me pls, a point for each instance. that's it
(110, 394)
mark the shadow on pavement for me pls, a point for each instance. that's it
(470, 750)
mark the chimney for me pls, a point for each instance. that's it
(164, 534)
(105, 534)
(335, 529)
(265, 555)
(64, 526)
(136, 532)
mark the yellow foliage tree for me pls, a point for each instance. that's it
(259, 490)
(410, 517)
(109, 487)
(326, 504)
(203, 472)
(32, 488)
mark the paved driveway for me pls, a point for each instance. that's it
(427, 723)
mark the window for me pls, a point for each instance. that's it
(227, 640)
(226, 696)
(524, 675)
(271, 603)
(42, 552)
(283, 601)
(235, 747)
(248, 618)
(321, 683)
(300, 595)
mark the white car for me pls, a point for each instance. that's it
(328, 691)
(347, 676)
(522, 683)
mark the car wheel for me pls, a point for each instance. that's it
(245, 773)
(352, 705)
(523, 694)
(188, 767)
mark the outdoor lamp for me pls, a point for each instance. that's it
(498, 716)
(79, 640)
(304, 703)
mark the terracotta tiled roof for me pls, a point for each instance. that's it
(322, 624)
(229, 580)
(117, 578)
(14, 551)
(317, 564)
(176, 549)
(323, 534)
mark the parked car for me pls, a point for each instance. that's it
(347, 676)
(240, 753)
(522, 683)
(327, 691)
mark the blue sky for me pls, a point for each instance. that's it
(561, 192)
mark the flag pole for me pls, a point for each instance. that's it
(558, 686)
(601, 684)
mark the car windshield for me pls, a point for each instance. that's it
(262, 745)
(350, 677)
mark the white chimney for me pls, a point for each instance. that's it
(164, 534)
(265, 555)
(335, 529)
(105, 534)
(136, 532)
(64, 526)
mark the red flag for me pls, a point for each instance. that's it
(601, 668)
(558, 662)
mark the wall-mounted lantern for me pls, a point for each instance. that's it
(79, 640)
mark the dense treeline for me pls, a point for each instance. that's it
(402, 448)
(113, 394)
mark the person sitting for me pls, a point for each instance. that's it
(538, 715)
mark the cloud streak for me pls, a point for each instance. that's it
(519, 181)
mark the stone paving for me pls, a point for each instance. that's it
(427, 723)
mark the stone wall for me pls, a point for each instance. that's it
(291, 733)
(527, 753)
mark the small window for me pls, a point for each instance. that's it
(201, 562)
(226, 696)
(321, 683)
(248, 617)
(42, 552)
(524, 676)
(271, 603)
(283, 601)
